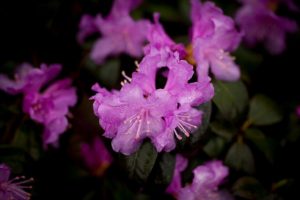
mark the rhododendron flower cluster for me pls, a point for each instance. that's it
(141, 110)
(119, 32)
(260, 23)
(207, 178)
(13, 188)
(214, 36)
(48, 107)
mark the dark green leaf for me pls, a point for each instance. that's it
(294, 129)
(263, 111)
(164, 169)
(262, 142)
(224, 130)
(166, 12)
(230, 98)
(29, 141)
(215, 146)
(14, 157)
(109, 72)
(240, 157)
(249, 188)
(196, 136)
(141, 163)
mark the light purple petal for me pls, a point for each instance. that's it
(96, 156)
(87, 27)
(54, 129)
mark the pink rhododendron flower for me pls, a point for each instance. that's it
(13, 188)
(141, 110)
(119, 32)
(258, 19)
(205, 183)
(96, 156)
(49, 107)
(214, 36)
(28, 78)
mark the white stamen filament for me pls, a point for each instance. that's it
(17, 188)
(126, 77)
(136, 121)
(184, 125)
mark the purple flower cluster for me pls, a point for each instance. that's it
(260, 23)
(13, 188)
(48, 107)
(205, 183)
(96, 156)
(214, 36)
(141, 110)
(119, 32)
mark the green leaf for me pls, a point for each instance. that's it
(141, 163)
(230, 98)
(196, 136)
(29, 141)
(14, 157)
(263, 111)
(262, 142)
(215, 146)
(164, 169)
(109, 72)
(249, 188)
(240, 157)
(166, 12)
(226, 131)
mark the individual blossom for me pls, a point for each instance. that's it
(141, 109)
(214, 36)
(258, 19)
(48, 107)
(96, 157)
(207, 178)
(119, 32)
(13, 188)
(28, 78)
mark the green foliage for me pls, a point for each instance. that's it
(263, 111)
(249, 188)
(141, 163)
(224, 130)
(240, 157)
(230, 98)
(196, 136)
(164, 168)
(264, 144)
(215, 146)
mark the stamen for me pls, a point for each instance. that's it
(177, 135)
(137, 65)
(187, 124)
(183, 130)
(126, 77)
(16, 188)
